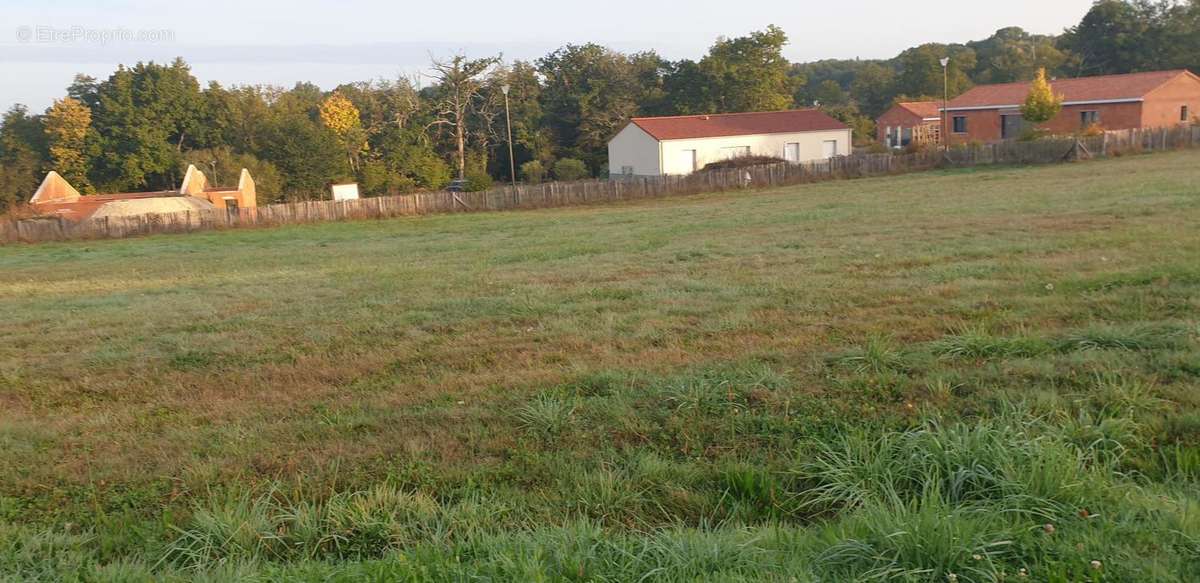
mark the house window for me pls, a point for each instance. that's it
(1183, 114)
(960, 124)
(791, 152)
(627, 170)
(1089, 118)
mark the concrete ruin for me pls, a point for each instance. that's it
(57, 197)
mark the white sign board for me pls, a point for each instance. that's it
(345, 192)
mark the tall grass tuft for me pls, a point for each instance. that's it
(1124, 338)
(978, 343)
(878, 355)
(547, 415)
(357, 525)
(1001, 463)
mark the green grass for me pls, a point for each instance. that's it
(934, 377)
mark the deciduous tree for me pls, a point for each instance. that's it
(1042, 104)
(68, 126)
(749, 73)
(459, 81)
(340, 116)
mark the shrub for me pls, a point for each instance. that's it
(568, 169)
(478, 181)
(744, 162)
(1033, 134)
(533, 171)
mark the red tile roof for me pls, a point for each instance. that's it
(737, 124)
(1130, 87)
(922, 109)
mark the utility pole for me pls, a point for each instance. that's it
(512, 163)
(945, 103)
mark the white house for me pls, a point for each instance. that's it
(654, 146)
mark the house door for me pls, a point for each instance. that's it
(687, 161)
(1011, 126)
(791, 152)
(829, 149)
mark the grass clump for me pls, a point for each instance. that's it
(978, 343)
(983, 463)
(1138, 338)
(359, 525)
(879, 354)
(547, 415)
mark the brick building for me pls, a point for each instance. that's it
(908, 122)
(1114, 102)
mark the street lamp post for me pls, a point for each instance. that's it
(945, 102)
(512, 163)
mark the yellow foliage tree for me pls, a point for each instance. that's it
(342, 118)
(1042, 104)
(67, 124)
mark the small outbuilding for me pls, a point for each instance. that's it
(681, 145)
(908, 123)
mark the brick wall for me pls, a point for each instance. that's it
(895, 117)
(1162, 107)
(985, 125)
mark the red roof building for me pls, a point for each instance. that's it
(686, 127)
(908, 122)
(680, 145)
(1113, 102)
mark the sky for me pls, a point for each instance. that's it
(44, 43)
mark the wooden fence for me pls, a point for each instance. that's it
(559, 194)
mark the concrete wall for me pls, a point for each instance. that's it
(633, 147)
(710, 150)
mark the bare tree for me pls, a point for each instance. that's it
(460, 81)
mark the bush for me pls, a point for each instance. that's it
(478, 181)
(1033, 135)
(533, 171)
(569, 169)
(268, 182)
(744, 162)
(377, 180)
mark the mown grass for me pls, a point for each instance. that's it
(984, 376)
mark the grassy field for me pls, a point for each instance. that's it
(980, 375)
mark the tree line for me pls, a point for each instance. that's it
(139, 128)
